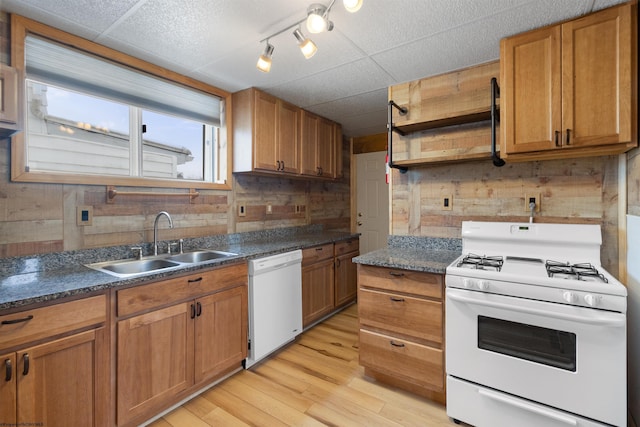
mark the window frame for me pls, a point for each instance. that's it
(21, 26)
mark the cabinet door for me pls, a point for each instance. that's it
(289, 137)
(264, 131)
(154, 359)
(337, 129)
(58, 382)
(530, 92)
(317, 291)
(596, 85)
(220, 332)
(346, 279)
(8, 371)
(326, 148)
(309, 144)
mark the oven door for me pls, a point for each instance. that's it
(567, 357)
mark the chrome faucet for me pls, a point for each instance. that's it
(155, 229)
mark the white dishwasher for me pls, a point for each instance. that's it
(275, 303)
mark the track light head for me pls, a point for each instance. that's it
(317, 19)
(352, 5)
(264, 61)
(307, 47)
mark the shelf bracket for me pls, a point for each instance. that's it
(390, 129)
(495, 118)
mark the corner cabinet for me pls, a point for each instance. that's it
(568, 90)
(274, 137)
(176, 336)
(401, 316)
(55, 365)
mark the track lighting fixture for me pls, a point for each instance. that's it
(307, 47)
(317, 21)
(264, 62)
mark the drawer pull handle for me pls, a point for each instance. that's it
(193, 311)
(396, 344)
(396, 274)
(319, 249)
(395, 299)
(14, 321)
(199, 309)
(8, 370)
(25, 359)
(199, 279)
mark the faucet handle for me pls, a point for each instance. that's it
(181, 245)
(137, 251)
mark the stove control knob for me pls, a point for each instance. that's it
(483, 285)
(467, 283)
(591, 300)
(569, 297)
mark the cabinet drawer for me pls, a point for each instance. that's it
(347, 246)
(158, 294)
(317, 253)
(49, 321)
(411, 362)
(401, 314)
(398, 280)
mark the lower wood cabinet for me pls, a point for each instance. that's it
(191, 331)
(60, 381)
(346, 276)
(401, 316)
(317, 283)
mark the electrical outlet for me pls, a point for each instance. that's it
(242, 210)
(84, 215)
(297, 209)
(532, 198)
(447, 202)
(269, 209)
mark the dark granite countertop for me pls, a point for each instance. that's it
(427, 254)
(40, 278)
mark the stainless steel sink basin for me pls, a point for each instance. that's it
(139, 267)
(133, 268)
(200, 256)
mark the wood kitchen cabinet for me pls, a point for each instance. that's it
(176, 336)
(8, 101)
(319, 146)
(266, 133)
(317, 283)
(568, 90)
(401, 316)
(346, 277)
(55, 365)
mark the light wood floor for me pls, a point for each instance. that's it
(315, 381)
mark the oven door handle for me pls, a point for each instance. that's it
(617, 322)
(528, 407)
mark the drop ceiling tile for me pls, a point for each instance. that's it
(351, 106)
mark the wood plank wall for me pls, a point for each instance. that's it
(41, 218)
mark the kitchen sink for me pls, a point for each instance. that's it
(157, 263)
(200, 256)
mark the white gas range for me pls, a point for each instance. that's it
(535, 328)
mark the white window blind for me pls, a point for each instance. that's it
(60, 65)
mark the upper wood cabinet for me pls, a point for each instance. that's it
(569, 90)
(275, 137)
(319, 148)
(266, 133)
(8, 101)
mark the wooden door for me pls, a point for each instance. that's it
(596, 84)
(264, 131)
(326, 148)
(309, 144)
(289, 137)
(58, 382)
(346, 281)
(154, 359)
(220, 332)
(530, 92)
(8, 389)
(317, 291)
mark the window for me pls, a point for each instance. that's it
(89, 119)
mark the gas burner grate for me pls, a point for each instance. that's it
(481, 262)
(580, 271)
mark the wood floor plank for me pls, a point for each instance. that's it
(316, 380)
